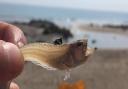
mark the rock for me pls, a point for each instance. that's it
(51, 28)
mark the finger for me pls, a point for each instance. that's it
(11, 33)
(11, 61)
(14, 86)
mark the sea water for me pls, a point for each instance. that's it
(102, 40)
(24, 13)
(67, 75)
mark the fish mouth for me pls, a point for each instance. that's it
(89, 51)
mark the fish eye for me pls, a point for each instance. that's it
(79, 44)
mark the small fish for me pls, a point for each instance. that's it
(53, 57)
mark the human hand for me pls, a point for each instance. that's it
(11, 59)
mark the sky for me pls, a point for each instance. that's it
(104, 5)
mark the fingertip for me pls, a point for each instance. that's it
(12, 33)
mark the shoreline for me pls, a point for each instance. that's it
(100, 36)
(104, 28)
(87, 26)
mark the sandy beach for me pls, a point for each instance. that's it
(105, 69)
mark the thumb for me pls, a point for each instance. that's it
(11, 61)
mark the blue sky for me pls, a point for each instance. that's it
(105, 5)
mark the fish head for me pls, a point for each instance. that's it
(78, 54)
(78, 50)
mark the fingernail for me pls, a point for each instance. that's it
(20, 44)
(14, 86)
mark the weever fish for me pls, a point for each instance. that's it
(53, 57)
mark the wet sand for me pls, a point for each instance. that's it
(105, 69)
(115, 29)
